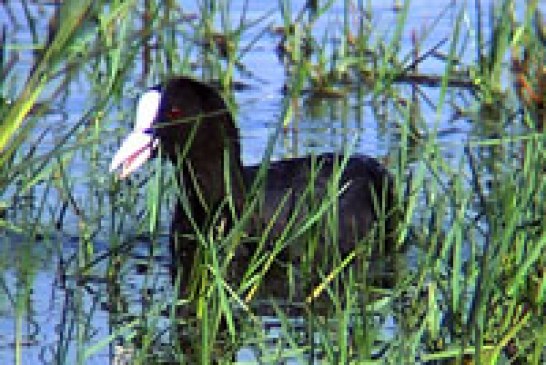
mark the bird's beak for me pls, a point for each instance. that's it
(139, 145)
(134, 151)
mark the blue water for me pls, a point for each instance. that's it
(318, 125)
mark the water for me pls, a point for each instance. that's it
(358, 121)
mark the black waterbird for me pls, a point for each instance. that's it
(191, 123)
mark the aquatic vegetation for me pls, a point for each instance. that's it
(450, 98)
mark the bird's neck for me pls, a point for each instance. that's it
(211, 179)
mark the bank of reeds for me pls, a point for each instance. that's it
(470, 287)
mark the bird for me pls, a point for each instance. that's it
(192, 125)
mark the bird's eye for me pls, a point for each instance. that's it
(175, 113)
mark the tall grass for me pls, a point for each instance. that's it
(471, 286)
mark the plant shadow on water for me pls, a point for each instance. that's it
(449, 97)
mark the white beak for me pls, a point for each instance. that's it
(137, 148)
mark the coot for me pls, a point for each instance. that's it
(190, 121)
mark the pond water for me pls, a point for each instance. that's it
(359, 121)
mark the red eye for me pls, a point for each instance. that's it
(175, 113)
